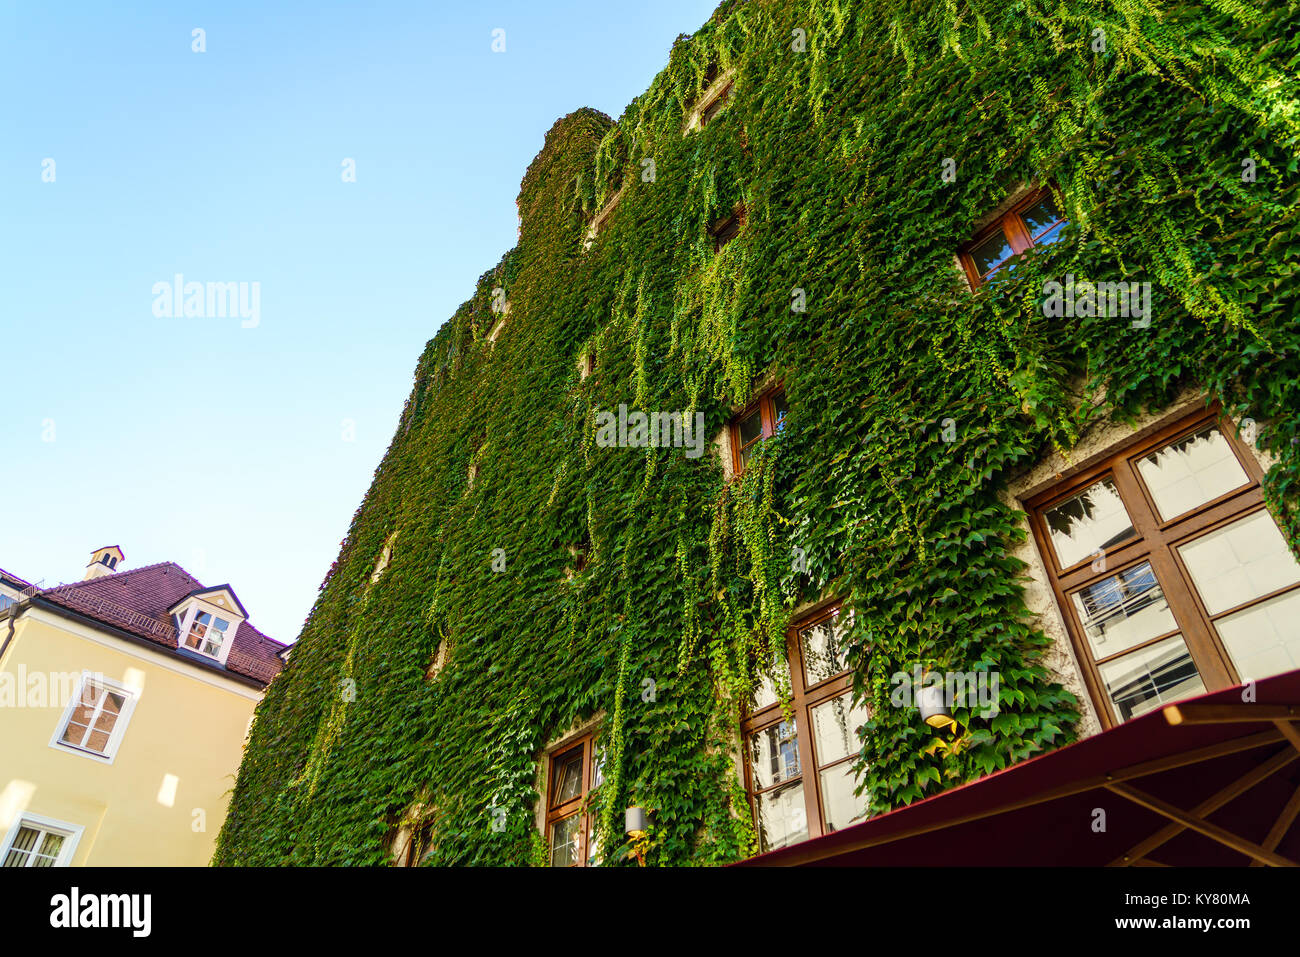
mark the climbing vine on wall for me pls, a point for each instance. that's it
(1167, 132)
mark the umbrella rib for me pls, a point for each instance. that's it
(1207, 807)
(1281, 825)
(1201, 826)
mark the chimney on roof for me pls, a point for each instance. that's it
(103, 561)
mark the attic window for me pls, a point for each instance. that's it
(207, 634)
(586, 364)
(725, 230)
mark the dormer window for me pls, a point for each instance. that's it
(207, 622)
(207, 634)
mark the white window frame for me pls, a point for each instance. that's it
(109, 753)
(209, 628)
(186, 618)
(71, 836)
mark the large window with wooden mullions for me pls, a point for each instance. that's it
(576, 770)
(1036, 220)
(799, 766)
(764, 417)
(1171, 574)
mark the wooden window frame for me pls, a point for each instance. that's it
(722, 231)
(716, 91)
(803, 699)
(1157, 541)
(716, 104)
(766, 404)
(1014, 228)
(556, 813)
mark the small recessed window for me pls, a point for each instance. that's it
(763, 419)
(727, 229)
(385, 557)
(715, 94)
(717, 105)
(1035, 221)
(438, 661)
(207, 634)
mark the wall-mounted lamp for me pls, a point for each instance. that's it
(634, 822)
(935, 713)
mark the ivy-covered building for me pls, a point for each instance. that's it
(883, 362)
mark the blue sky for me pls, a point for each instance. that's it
(241, 451)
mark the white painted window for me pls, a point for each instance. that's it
(207, 634)
(36, 841)
(96, 718)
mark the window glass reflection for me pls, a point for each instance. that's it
(782, 818)
(1093, 520)
(774, 754)
(568, 777)
(1044, 221)
(824, 655)
(835, 728)
(1264, 639)
(1123, 610)
(1150, 677)
(564, 842)
(1190, 472)
(840, 806)
(1239, 562)
(991, 254)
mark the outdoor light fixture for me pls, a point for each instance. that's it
(635, 825)
(929, 701)
(634, 822)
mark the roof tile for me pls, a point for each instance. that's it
(136, 601)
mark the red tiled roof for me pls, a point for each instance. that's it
(12, 577)
(136, 601)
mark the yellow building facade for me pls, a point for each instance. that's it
(125, 701)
